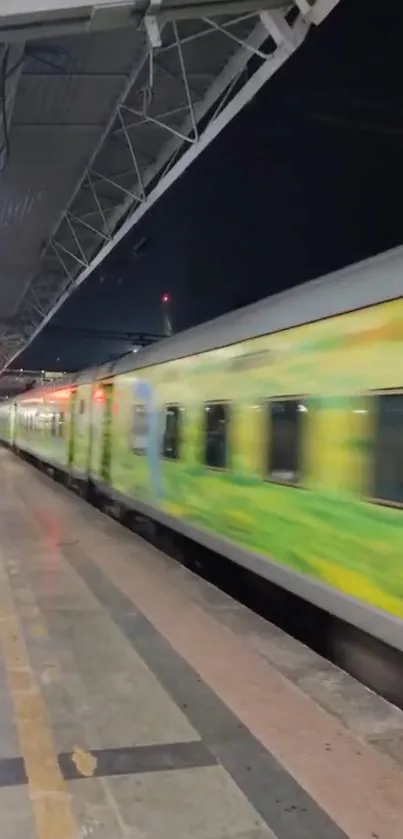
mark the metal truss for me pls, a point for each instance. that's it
(121, 183)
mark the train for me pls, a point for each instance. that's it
(272, 435)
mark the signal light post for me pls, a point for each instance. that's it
(166, 300)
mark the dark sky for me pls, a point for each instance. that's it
(308, 178)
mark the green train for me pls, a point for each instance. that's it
(273, 435)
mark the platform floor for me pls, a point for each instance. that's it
(138, 702)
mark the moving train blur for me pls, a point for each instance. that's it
(272, 436)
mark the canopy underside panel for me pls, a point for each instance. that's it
(99, 122)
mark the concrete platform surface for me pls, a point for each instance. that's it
(138, 702)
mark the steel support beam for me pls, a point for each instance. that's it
(95, 222)
(152, 24)
(315, 11)
(277, 26)
(230, 75)
(31, 8)
(12, 61)
(21, 20)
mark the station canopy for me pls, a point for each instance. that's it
(103, 106)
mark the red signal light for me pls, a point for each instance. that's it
(165, 298)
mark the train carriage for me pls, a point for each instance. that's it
(272, 435)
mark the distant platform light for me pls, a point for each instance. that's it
(165, 298)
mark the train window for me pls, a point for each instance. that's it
(60, 431)
(217, 417)
(53, 426)
(388, 448)
(284, 451)
(172, 432)
(140, 430)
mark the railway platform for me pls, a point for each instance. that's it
(139, 702)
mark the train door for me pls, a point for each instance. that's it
(13, 424)
(145, 442)
(106, 433)
(90, 437)
(99, 449)
(98, 398)
(71, 445)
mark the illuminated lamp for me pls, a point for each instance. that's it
(62, 395)
(166, 301)
(99, 395)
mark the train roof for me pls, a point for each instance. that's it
(357, 286)
(371, 281)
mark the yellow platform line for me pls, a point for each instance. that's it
(51, 802)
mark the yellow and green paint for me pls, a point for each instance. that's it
(325, 527)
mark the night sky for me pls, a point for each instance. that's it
(307, 179)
